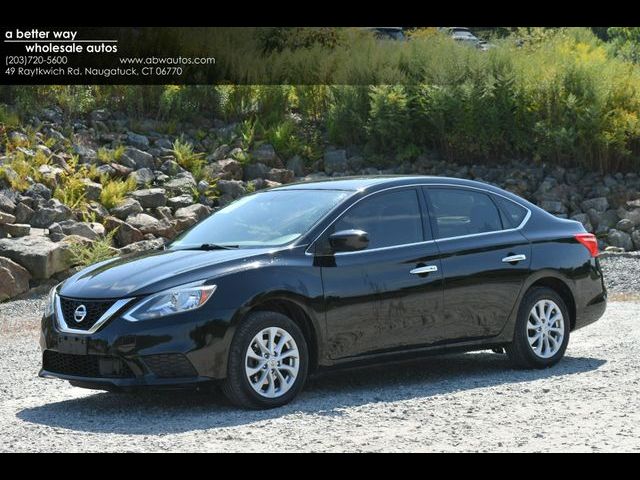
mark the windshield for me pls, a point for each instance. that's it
(265, 219)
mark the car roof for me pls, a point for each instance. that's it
(379, 182)
(370, 184)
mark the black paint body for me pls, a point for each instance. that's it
(352, 306)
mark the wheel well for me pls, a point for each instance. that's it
(563, 290)
(296, 313)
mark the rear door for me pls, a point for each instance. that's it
(485, 258)
(389, 295)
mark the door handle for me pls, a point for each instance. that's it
(514, 258)
(421, 270)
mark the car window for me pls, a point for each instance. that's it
(264, 219)
(390, 219)
(512, 213)
(457, 212)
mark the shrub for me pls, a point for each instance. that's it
(388, 126)
(114, 191)
(188, 159)
(97, 251)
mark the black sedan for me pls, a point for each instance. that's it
(290, 280)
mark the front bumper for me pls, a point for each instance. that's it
(178, 351)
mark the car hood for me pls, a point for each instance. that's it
(151, 272)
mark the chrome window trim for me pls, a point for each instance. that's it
(424, 185)
(62, 324)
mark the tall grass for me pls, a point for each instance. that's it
(563, 97)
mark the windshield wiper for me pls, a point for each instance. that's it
(209, 246)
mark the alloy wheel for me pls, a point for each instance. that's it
(545, 328)
(272, 362)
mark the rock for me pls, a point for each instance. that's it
(144, 177)
(17, 229)
(635, 237)
(625, 225)
(335, 161)
(6, 218)
(6, 204)
(163, 213)
(38, 191)
(219, 153)
(608, 219)
(599, 204)
(255, 170)
(261, 184)
(86, 154)
(14, 279)
(233, 188)
(583, 218)
(81, 229)
(180, 201)
(163, 143)
(55, 232)
(125, 234)
(183, 183)
(18, 138)
(106, 170)
(148, 224)
(128, 207)
(620, 239)
(143, 246)
(553, 206)
(266, 154)
(38, 254)
(632, 215)
(98, 211)
(172, 168)
(296, 165)
(53, 211)
(23, 213)
(136, 159)
(137, 140)
(227, 169)
(92, 190)
(280, 175)
(100, 115)
(120, 170)
(197, 211)
(151, 197)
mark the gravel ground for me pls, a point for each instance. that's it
(621, 273)
(470, 402)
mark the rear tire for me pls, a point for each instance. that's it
(542, 330)
(268, 362)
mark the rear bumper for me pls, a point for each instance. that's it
(593, 311)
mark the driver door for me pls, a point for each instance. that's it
(381, 298)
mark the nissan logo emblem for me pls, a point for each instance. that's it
(80, 314)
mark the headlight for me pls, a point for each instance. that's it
(184, 298)
(50, 305)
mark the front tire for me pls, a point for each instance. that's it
(541, 331)
(268, 362)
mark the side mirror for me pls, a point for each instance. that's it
(349, 240)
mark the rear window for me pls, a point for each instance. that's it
(512, 214)
(458, 212)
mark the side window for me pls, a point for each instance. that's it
(459, 211)
(389, 218)
(512, 213)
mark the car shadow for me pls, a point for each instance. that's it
(326, 394)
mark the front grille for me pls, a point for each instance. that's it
(170, 365)
(92, 366)
(95, 310)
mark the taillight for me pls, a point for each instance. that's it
(589, 241)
